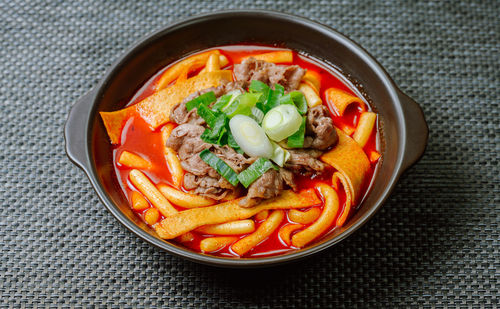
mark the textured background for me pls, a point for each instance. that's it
(434, 243)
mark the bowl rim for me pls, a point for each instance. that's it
(90, 170)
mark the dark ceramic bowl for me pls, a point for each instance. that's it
(403, 126)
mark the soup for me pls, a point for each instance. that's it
(244, 151)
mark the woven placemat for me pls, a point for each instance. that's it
(434, 244)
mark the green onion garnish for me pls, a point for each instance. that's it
(258, 86)
(250, 136)
(296, 140)
(281, 122)
(226, 100)
(231, 142)
(280, 155)
(300, 101)
(273, 97)
(257, 114)
(242, 105)
(221, 102)
(286, 99)
(207, 115)
(295, 98)
(262, 88)
(204, 99)
(220, 166)
(215, 135)
(254, 171)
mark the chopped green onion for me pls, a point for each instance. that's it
(281, 122)
(254, 171)
(250, 137)
(220, 123)
(242, 105)
(225, 100)
(262, 88)
(207, 115)
(273, 97)
(205, 136)
(295, 98)
(231, 142)
(259, 87)
(220, 166)
(286, 99)
(297, 139)
(222, 140)
(216, 134)
(280, 155)
(280, 89)
(300, 101)
(257, 114)
(221, 102)
(204, 99)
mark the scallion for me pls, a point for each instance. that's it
(273, 97)
(295, 98)
(220, 166)
(204, 99)
(286, 99)
(242, 105)
(257, 114)
(281, 122)
(296, 140)
(207, 115)
(250, 137)
(259, 87)
(221, 102)
(300, 101)
(254, 171)
(280, 155)
(231, 142)
(225, 100)
(215, 135)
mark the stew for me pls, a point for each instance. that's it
(244, 151)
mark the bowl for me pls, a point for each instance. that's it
(403, 127)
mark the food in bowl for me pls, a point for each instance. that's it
(244, 151)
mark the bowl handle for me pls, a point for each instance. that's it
(417, 131)
(75, 130)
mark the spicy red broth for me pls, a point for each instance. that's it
(137, 137)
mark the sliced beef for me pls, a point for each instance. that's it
(288, 178)
(252, 69)
(305, 161)
(213, 187)
(179, 114)
(236, 85)
(319, 128)
(185, 139)
(288, 76)
(236, 161)
(194, 164)
(267, 186)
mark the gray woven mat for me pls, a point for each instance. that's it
(434, 243)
